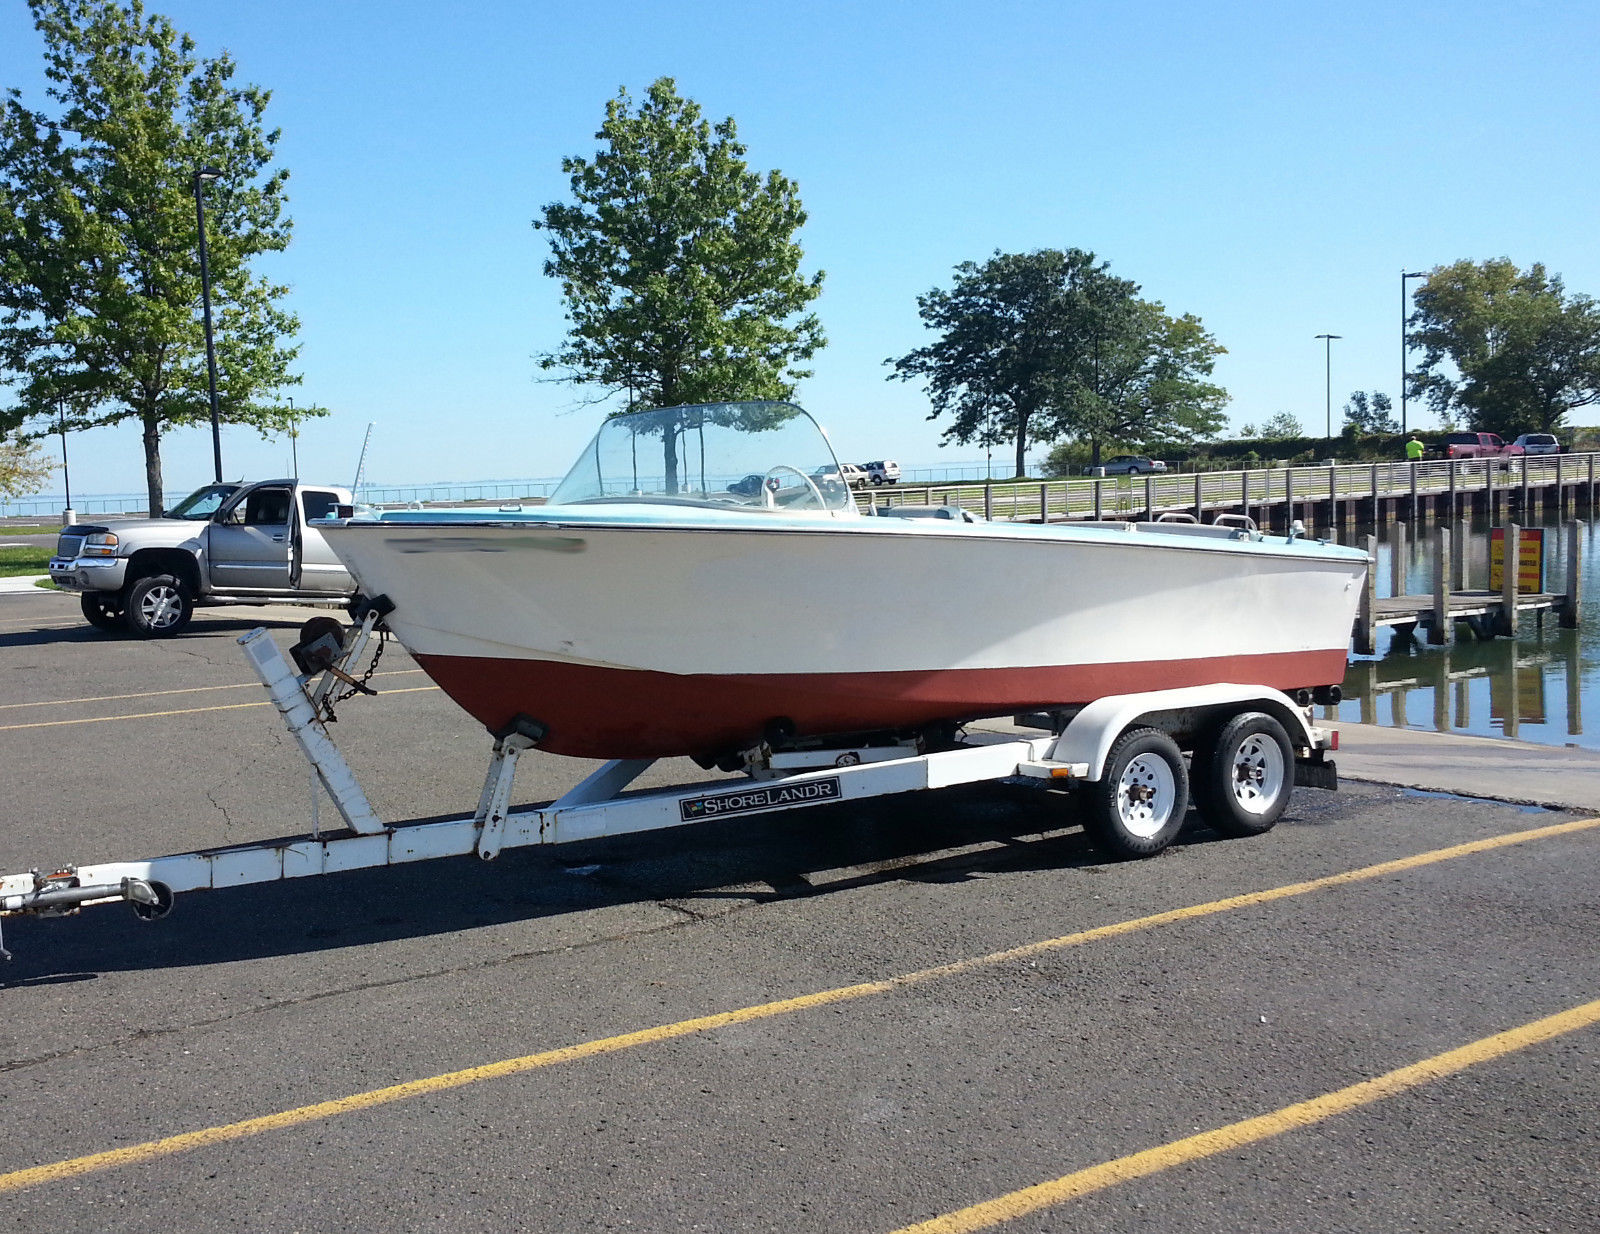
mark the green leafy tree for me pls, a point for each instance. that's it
(1052, 344)
(1510, 350)
(1283, 426)
(99, 269)
(1010, 334)
(1144, 379)
(678, 263)
(1365, 417)
(23, 468)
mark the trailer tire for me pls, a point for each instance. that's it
(159, 605)
(1136, 808)
(101, 611)
(1243, 777)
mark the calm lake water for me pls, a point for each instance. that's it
(1543, 686)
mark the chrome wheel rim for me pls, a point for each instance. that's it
(160, 607)
(1258, 773)
(1146, 793)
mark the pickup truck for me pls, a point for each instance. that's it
(1478, 445)
(223, 544)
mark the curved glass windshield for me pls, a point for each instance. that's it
(203, 502)
(762, 456)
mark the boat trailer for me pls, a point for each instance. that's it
(1256, 744)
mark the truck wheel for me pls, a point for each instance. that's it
(1243, 779)
(101, 612)
(1136, 808)
(159, 605)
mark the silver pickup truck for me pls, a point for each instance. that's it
(223, 544)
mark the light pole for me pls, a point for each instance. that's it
(1404, 345)
(294, 451)
(61, 424)
(1329, 391)
(205, 175)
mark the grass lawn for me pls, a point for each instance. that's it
(7, 530)
(29, 559)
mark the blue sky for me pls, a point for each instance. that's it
(1270, 168)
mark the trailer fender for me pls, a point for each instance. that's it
(1181, 712)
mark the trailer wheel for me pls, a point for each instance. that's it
(159, 605)
(1136, 808)
(1242, 780)
(101, 612)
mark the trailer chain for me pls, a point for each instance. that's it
(372, 667)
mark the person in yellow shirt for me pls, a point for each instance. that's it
(1414, 449)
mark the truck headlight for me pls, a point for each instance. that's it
(102, 544)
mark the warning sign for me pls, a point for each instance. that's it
(1530, 560)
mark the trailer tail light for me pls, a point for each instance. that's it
(1333, 740)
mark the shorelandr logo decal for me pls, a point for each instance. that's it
(718, 804)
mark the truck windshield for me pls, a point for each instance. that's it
(203, 502)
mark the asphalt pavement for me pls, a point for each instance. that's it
(857, 1017)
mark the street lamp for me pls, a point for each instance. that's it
(1329, 392)
(1404, 346)
(205, 175)
(294, 449)
(61, 424)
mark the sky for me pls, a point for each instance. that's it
(1271, 168)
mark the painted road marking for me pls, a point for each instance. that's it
(1254, 1130)
(181, 711)
(134, 1154)
(111, 698)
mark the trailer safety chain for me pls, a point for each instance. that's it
(329, 717)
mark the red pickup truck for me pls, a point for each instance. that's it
(1478, 445)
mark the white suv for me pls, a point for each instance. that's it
(884, 471)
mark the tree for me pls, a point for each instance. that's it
(1010, 333)
(1051, 344)
(1364, 417)
(23, 468)
(1282, 427)
(1144, 381)
(1510, 350)
(99, 267)
(678, 263)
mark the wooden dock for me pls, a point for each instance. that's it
(1485, 614)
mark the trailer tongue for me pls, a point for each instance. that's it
(1123, 751)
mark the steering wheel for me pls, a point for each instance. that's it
(771, 485)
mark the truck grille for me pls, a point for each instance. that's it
(68, 546)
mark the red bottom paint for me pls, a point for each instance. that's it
(595, 712)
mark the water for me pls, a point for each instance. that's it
(1541, 686)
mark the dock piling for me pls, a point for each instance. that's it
(1571, 607)
(1443, 628)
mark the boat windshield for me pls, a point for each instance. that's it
(203, 502)
(767, 455)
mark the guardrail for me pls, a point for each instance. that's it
(1136, 497)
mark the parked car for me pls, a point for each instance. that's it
(223, 544)
(884, 471)
(750, 486)
(1128, 465)
(1538, 443)
(846, 473)
(1477, 445)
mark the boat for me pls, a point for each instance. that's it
(702, 581)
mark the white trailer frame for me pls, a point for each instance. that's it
(597, 807)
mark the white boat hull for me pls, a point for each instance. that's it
(649, 638)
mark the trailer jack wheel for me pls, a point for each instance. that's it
(151, 901)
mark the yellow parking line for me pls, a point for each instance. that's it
(111, 698)
(1253, 1130)
(180, 711)
(151, 1150)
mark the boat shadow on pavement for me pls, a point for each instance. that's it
(702, 870)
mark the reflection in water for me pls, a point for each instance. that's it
(1502, 687)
